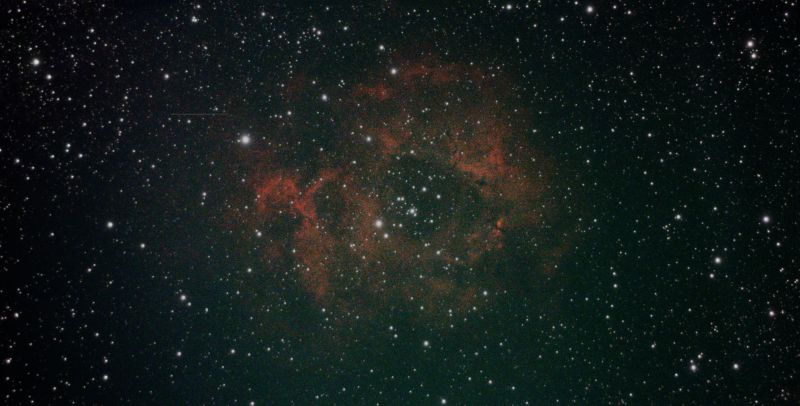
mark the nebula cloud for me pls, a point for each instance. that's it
(431, 194)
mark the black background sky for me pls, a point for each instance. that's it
(132, 271)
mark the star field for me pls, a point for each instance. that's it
(461, 203)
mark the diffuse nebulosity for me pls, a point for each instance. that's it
(430, 192)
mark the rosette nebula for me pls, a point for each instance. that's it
(429, 192)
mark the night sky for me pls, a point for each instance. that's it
(482, 203)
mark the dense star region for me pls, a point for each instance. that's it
(460, 203)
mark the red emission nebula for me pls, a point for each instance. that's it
(429, 195)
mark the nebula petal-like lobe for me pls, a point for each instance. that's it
(432, 193)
